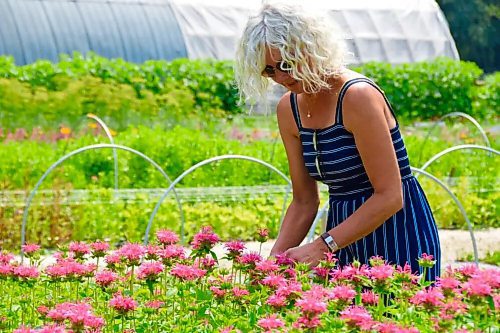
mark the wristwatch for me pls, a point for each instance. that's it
(330, 242)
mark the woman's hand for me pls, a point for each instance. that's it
(310, 253)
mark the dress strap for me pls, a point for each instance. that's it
(295, 110)
(343, 91)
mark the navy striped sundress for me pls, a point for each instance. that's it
(403, 237)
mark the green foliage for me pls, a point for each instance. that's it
(475, 33)
(126, 221)
(185, 86)
(428, 89)
(160, 92)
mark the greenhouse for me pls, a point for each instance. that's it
(139, 30)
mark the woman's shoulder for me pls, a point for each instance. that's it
(284, 104)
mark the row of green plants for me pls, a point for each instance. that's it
(164, 287)
(26, 157)
(48, 94)
(119, 220)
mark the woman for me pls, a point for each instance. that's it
(338, 128)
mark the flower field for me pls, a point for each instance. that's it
(164, 287)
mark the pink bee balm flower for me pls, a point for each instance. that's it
(234, 248)
(381, 272)
(79, 249)
(274, 280)
(394, 328)
(105, 278)
(270, 323)
(311, 307)
(267, 266)
(122, 304)
(432, 297)
(262, 235)
(132, 253)
(357, 316)
(276, 301)
(24, 329)
(154, 304)
(307, 322)
(185, 272)
(249, 260)
(150, 270)
(369, 298)
(5, 258)
(205, 239)
(26, 272)
(343, 293)
(52, 329)
(30, 248)
(447, 282)
(426, 260)
(167, 237)
(476, 287)
(218, 293)
(99, 249)
(239, 293)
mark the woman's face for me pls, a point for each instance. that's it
(280, 72)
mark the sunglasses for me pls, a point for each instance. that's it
(282, 66)
(316, 160)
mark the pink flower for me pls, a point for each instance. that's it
(262, 235)
(171, 253)
(427, 260)
(79, 314)
(381, 272)
(343, 293)
(29, 249)
(205, 239)
(393, 328)
(132, 253)
(357, 316)
(167, 237)
(476, 287)
(234, 248)
(105, 278)
(52, 328)
(311, 306)
(6, 270)
(306, 322)
(154, 304)
(185, 272)
(273, 280)
(447, 282)
(239, 293)
(79, 249)
(122, 304)
(276, 301)
(5, 258)
(271, 322)
(112, 259)
(249, 260)
(150, 270)
(219, 293)
(26, 272)
(152, 252)
(369, 297)
(432, 297)
(266, 266)
(99, 249)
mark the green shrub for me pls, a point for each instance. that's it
(427, 89)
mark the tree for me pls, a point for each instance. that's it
(474, 26)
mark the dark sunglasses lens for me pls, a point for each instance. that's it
(268, 70)
(284, 66)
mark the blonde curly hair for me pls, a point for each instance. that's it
(304, 40)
